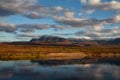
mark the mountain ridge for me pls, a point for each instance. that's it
(74, 41)
(55, 40)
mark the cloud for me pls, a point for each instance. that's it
(5, 12)
(63, 18)
(69, 14)
(63, 34)
(28, 8)
(28, 28)
(116, 19)
(58, 8)
(26, 35)
(33, 15)
(2, 36)
(60, 27)
(17, 6)
(84, 22)
(101, 34)
(7, 27)
(76, 22)
(32, 27)
(94, 2)
(10, 28)
(90, 11)
(83, 1)
(102, 5)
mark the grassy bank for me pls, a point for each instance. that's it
(33, 52)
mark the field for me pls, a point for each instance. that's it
(41, 52)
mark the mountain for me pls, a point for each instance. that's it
(55, 40)
(64, 41)
(114, 41)
(50, 40)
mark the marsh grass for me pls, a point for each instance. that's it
(39, 52)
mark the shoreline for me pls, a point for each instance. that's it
(56, 56)
(78, 61)
(64, 56)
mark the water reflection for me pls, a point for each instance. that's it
(26, 70)
(113, 61)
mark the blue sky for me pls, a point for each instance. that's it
(22, 20)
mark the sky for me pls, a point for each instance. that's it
(22, 20)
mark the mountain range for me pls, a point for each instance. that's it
(55, 40)
(73, 41)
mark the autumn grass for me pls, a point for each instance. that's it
(40, 52)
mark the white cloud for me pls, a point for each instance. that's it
(26, 35)
(59, 8)
(83, 1)
(82, 22)
(94, 2)
(101, 34)
(28, 28)
(28, 8)
(98, 4)
(33, 15)
(69, 14)
(17, 6)
(64, 18)
(90, 11)
(7, 27)
(97, 27)
(116, 19)
(76, 22)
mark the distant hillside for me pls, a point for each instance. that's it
(51, 40)
(55, 40)
(60, 40)
(114, 41)
(73, 41)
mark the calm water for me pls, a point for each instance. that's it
(27, 70)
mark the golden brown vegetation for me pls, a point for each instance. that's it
(32, 52)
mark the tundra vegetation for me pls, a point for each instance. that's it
(39, 52)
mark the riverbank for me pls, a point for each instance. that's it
(86, 60)
(55, 56)
(49, 52)
(64, 56)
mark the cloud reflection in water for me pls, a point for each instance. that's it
(26, 70)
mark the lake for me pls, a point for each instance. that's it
(34, 70)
